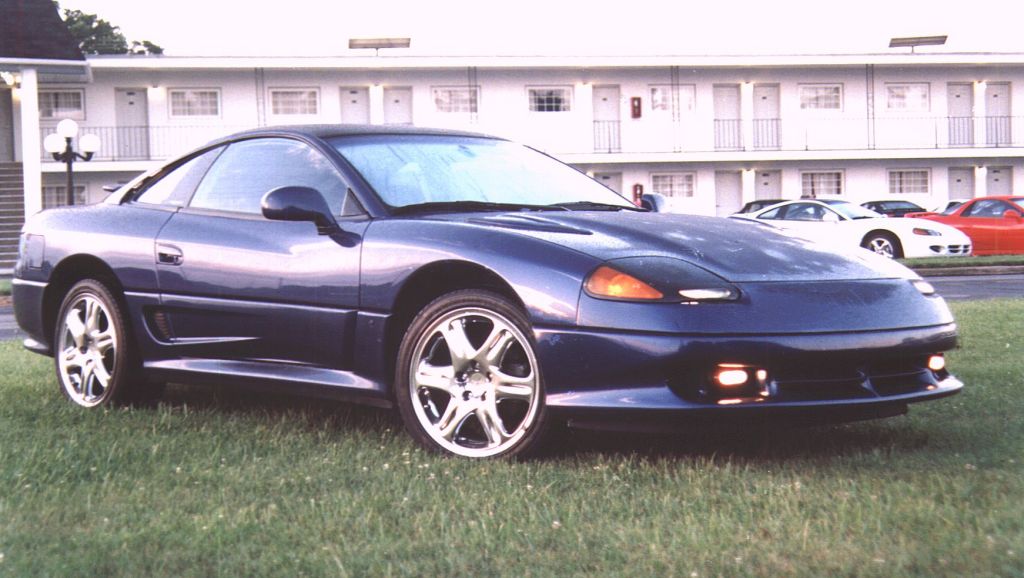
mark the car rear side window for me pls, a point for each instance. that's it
(988, 208)
(175, 187)
(249, 169)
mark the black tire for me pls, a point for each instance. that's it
(94, 351)
(885, 244)
(482, 396)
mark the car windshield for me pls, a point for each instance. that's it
(851, 211)
(470, 173)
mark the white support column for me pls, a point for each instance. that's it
(31, 151)
(749, 179)
(376, 104)
(980, 127)
(747, 114)
(980, 181)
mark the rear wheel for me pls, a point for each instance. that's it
(468, 382)
(93, 350)
(884, 244)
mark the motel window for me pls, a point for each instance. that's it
(821, 96)
(551, 99)
(305, 102)
(908, 182)
(456, 98)
(673, 184)
(61, 104)
(194, 102)
(668, 98)
(907, 97)
(814, 184)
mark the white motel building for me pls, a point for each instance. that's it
(708, 132)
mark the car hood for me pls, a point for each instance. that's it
(737, 250)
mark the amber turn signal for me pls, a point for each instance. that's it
(608, 282)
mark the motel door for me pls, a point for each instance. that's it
(997, 113)
(728, 192)
(606, 119)
(611, 180)
(961, 183)
(131, 136)
(766, 116)
(999, 181)
(768, 185)
(728, 127)
(960, 103)
(355, 105)
(398, 105)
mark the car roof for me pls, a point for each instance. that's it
(324, 131)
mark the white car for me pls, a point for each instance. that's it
(843, 223)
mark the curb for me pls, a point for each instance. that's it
(970, 271)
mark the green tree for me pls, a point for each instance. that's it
(98, 36)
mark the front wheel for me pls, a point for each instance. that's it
(884, 244)
(93, 350)
(468, 382)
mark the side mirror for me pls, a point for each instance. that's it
(830, 218)
(1011, 214)
(299, 204)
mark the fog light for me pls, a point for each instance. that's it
(737, 383)
(936, 363)
(731, 377)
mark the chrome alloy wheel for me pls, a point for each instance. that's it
(474, 383)
(883, 246)
(86, 350)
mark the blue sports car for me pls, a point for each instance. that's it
(484, 289)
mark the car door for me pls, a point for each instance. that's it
(237, 286)
(982, 220)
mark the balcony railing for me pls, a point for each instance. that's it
(145, 143)
(154, 143)
(728, 134)
(766, 133)
(606, 136)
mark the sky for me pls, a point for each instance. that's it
(562, 27)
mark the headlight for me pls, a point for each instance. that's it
(611, 283)
(926, 232)
(662, 279)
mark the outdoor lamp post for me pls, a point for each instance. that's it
(59, 145)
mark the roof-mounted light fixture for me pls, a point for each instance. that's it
(915, 41)
(378, 43)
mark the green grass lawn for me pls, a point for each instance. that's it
(227, 483)
(5, 286)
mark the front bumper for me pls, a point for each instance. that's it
(631, 380)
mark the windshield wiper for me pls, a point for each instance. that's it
(593, 206)
(469, 207)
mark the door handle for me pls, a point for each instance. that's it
(168, 255)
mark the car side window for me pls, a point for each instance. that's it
(174, 188)
(249, 169)
(804, 212)
(987, 209)
(772, 214)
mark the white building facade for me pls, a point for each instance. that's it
(710, 133)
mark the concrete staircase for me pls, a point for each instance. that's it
(12, 214)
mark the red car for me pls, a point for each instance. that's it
(994, 224)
